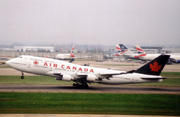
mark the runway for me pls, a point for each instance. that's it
(131, 89)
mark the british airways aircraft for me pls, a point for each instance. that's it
(69, 57)
(142, 55)
(174, 57)
(82, 75)
(123, 50)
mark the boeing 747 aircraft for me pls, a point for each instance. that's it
(82, 75)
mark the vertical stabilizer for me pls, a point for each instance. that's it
(125, 50)
(155, 66)
(118, 48)
(72, 51)
(140, 51)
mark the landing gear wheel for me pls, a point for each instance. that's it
(83, 86)
(22, 77)
(76, 85)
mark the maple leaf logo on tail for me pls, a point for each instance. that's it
(155, 67)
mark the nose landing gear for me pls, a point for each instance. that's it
(22, 77)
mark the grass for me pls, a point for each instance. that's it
(166, 82)
(30, 80)
(77, 103)
(4, 66)
(80, 103)
(171, 74)
(173, 80)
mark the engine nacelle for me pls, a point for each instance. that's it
(65, 77)
(91, 77)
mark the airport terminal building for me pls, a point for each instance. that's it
(34, 48)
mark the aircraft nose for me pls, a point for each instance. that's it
(8, 62)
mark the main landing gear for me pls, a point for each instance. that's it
(80, 85)
(22, 77)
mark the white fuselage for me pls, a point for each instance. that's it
(64, 56)
(150, 57)
(50, 67)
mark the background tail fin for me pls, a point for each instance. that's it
(125, 50)
(139, 49)
(118, 48)
(72, 51)
(123, 47)
(120, 51)
(155, 66)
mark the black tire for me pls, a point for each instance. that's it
(85, 86)
(22, 77)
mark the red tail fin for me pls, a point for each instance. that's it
(72, 51)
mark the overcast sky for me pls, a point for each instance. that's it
(106, 22)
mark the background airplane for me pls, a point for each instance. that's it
(173, 57)
(142, 55)
(69, 57)
(128, 54)
(82, 75)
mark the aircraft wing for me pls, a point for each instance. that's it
(100, 75)
(75, 75)
(85, 75)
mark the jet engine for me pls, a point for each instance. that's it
(65, 77)
(91, 77)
